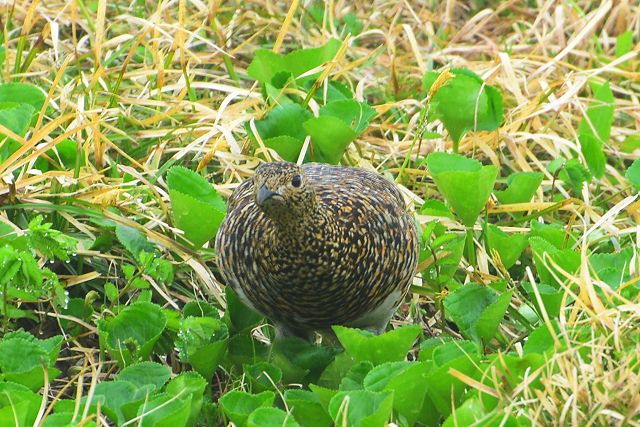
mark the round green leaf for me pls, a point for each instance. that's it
(361, 408)
(465, 184)
(131, 335)
(330, 137)
(271, 417)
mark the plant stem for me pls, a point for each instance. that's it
(469, 247)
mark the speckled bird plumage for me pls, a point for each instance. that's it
(339, 248)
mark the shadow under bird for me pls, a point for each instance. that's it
(317, 245)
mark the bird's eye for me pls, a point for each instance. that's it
(296, 181)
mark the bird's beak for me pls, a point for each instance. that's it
(264, 194)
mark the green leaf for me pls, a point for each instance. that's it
(353, 113)
(22, 360)
(114, 395)
(332, 376)
(197, 208)
(521, 187)
(633, 174)
(468, 414)
(238, 405)
(553, 233)
(445, 390)
(287, 147)
(487, 324)
(575, 174)
(565, 259)
(22, 93)
(202, 342)
(266, 64)
(361, 408)
(199, 308)
(444, 352)
(63, 419)
(508, 246)
(464, 103)
(593, 154)
(624, 44)
(16, 116)
(68, 152)
(299, 360)
(164, 410)
(429, 79)
(131, 335)
(407, 381)
(353, 380)
(391, 346)
(306, 408)
(465, 184)
(238, 316)
(191, 386)
(551, 297)
(271, 417)
(263, 376)
(145, 374)
(433, 207)
(630, 144)
(111, 292)
(330, 138)
(613, 268)
(18, 405)
(540, 340)
(479, 320)
(594, 129)
(283, 120)
(134, 240)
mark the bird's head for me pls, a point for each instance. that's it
(282, 191)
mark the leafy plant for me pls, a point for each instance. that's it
(21, 278)
(595, 128)
(341, 119)
(198, 209)
(463, 102)
(130, 335)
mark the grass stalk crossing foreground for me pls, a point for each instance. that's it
(512, 129)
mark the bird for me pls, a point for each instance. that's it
(315, 245)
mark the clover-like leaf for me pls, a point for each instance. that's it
(508, 246)
(238, 405)
(479, 320)
(197, 208)
(391, 346)
(465, 184)
(130, 336)
(355, 114)
(190, 386)
(307, 408)
(330, 138)
(465, 102)
(595, 128)
(202, 342)
(271, 417)
(361, 408)
(145, 374)
(407, 381)
(521, 187)
(267, 64)
(633, 174)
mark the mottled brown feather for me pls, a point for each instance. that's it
(329, 252)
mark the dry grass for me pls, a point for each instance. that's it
(121, 78)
